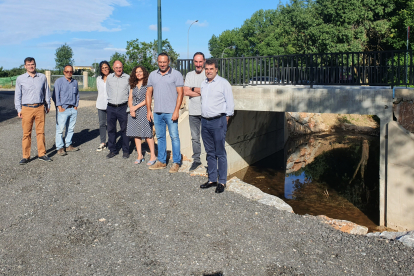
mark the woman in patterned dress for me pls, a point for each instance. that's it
(138, 126)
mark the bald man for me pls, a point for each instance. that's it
(117, 88)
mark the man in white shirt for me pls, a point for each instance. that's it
(217, 105)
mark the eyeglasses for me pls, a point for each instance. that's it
(68, 72)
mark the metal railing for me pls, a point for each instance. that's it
(379, 68)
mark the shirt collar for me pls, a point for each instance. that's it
(168, 72)
(214, 80)
(122, 75)
(35, 75)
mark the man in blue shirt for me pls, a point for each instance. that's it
(32, 102)
(217, 105)
(66, 97)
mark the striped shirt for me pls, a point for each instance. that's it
(117, 89)
(165, 89)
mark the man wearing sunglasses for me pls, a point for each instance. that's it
(66, 97)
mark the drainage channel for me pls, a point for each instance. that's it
(333, 175)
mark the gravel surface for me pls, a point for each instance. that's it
(85, 215)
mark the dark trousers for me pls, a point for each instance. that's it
(213, 132)
(102, 125)
(117, 114)
(195, 126)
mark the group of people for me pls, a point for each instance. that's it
(127, 99)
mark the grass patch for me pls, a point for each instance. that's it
(88, 89)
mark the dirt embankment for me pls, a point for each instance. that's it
(308, 123)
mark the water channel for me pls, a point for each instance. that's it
(333, 175)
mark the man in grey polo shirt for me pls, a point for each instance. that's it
(166, 84)
(192, 85)
(117, 88)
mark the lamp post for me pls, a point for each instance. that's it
(222, 61)
(159, 27)
(188, 40)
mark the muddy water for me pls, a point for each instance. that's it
(332, 175)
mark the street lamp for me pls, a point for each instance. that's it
(188, 40)
(230, 47)
(159, 27)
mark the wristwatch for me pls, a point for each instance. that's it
(192, 89)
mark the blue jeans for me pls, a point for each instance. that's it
(65, 119)
(161, 121)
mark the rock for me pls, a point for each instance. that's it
(345, 226)
(376, 234)
(392, 235)
(237, 186)
(407, 239)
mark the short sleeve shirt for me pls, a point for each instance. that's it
(193, 79)
(165, 89)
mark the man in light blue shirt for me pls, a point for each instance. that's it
(217, 105)
(66, 97)
(32, 102)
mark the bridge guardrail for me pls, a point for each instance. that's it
(376, 68)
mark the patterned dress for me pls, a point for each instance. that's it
(139, 126)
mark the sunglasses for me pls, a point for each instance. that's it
(68, 72)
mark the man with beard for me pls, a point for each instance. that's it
(166, 84)
(192, 85)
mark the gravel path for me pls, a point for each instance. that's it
(85, 215)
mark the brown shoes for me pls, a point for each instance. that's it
(158, 166)
(174, 168)
(62, 152)
(72, 148)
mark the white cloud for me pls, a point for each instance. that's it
(155, 28)
(122, 50)
(27, 19)
(199, 24)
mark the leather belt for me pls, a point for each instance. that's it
(118, 105)
(216, 117)
(33, 105)
(70, 106)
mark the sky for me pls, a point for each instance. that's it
(96, 29)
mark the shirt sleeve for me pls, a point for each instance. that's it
(179, 82)
(77, 94)
(150, 81)
(56, 92)
(47, 93)
(187, 80)
(18, 96)
(228, 96)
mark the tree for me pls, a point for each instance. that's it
(143, 53)
(320, 26)
(63, 57)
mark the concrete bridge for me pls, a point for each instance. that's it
(258, 130)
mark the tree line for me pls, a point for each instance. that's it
(319, 26)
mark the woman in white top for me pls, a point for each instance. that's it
(102, 101)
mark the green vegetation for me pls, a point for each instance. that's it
(320, 26)
(63, 57)
(143, 53)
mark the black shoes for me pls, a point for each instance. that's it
(24, 161)
(45, 158)
(208, 184)
(125, 155)
(194, 166)
(220, 188)
(111, 154)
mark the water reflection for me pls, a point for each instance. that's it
(333, 175)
